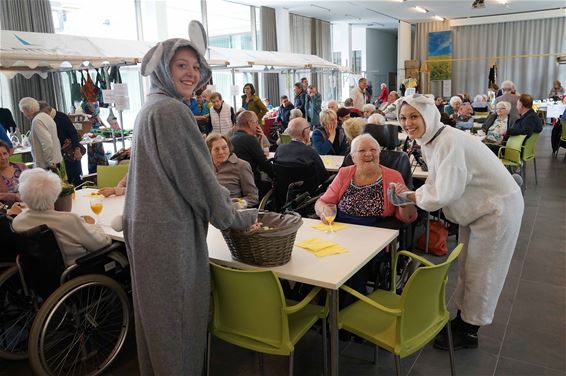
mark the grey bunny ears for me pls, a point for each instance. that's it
(197, 40)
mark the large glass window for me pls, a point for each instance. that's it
(229, 25)
(102, 18)
(168, 19)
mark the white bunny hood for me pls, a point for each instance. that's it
(425, 105)
(156, 61)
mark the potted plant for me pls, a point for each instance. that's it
(65, 200)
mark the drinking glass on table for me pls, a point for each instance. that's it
(329, 213)
(96, 205)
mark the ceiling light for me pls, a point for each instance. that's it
(421, 9)
(438, 18)
(318, 6)
(503, 2)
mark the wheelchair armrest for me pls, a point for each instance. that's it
(91, 256)
(418, 258)
(265, 200)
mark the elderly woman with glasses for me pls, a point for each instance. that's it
(232, 173)
(359, 191)
(496, 124)
(39, 189)
(329, 138)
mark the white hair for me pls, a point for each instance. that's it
(507, 85)
(368, 107)
(295, 113)
(478, 98)
(378, 119)
(330, 102)
(505, 104)
(383, 85)
(354, 146)
(39, 189)
(455, 99)
(29, 104)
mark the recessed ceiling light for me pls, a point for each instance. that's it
(438, 18)
(421, 9)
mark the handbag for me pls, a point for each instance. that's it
(438, 235)
(68, 152)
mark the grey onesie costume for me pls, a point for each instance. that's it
(172, 196)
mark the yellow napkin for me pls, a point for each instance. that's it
(321, 247)
(92, 194)
(327, 228)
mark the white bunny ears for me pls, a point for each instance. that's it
(197, 40)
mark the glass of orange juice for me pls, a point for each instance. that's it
(96, 205)
(329, 212)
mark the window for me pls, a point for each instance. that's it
(337, 58)
(104, 18)
(168, 19)
(229, 25)
(357, 61)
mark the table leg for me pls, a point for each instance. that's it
(427, 229)
(334, 346)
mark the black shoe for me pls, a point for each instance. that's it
(460, 338)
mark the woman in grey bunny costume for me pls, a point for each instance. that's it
(168, 209)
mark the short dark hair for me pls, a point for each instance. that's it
(251, 87)
(304, 79)
(362, 80)
(4, 145)
(342, 112)
(298, 84)
(284, 97)
(526, 100)
(215, 95)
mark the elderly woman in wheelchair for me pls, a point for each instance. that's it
(65, 309)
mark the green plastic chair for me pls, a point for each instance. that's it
(529, 154)
(109, 176)
(250, 311)
(510, 154)
(284, 138)
(403, 324)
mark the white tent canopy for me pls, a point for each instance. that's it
(30, 53)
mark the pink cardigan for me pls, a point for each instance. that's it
(338, 187)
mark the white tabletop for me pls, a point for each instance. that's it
(113, 207)
(362, 242)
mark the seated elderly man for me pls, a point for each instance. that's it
(388, 108)
(332, 105)
(367, 110)
(528, 122)
(298, 152)
(464, 119)
(39, 189)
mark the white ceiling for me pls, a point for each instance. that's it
(388, 12)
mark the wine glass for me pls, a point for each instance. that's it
(329, 212)
(96, 205)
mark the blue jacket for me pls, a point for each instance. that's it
(526, 124)
(313, 107)
(323, 146)
(283, 114)
(300, 102)
(193, 105)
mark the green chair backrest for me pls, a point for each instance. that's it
(284, 138)
(16, 158)
(529, 147)
(423, 303)
(109, 176)
(512, 151)
(249, 304)
(563, 135)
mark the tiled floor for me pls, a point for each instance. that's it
(527, 337)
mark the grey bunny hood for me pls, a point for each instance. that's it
(156, 61)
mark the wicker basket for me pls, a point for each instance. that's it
(270, 247)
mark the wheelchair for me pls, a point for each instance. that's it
(67, 320)
(295, 189)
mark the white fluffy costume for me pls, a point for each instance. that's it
(474, 190)
(172, 196)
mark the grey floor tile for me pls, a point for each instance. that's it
(546, 265)
(537, 347)
(474, 362)
(514, 367)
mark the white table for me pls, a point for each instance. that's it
(113, 206)
(330, 272)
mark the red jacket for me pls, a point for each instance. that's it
(338, 187)
(383, 95)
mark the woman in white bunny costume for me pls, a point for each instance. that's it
(474, 190)
(172, 196)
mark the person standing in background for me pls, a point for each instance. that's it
(358, 94)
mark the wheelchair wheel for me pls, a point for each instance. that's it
(80, 328)
(16, 316)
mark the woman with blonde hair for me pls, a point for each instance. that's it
(353, 128)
